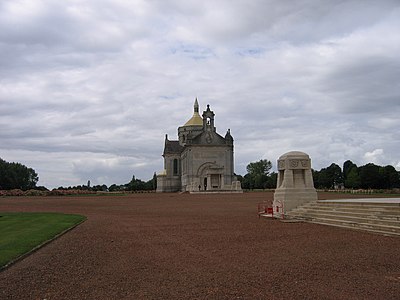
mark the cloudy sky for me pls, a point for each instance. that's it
(88, 89)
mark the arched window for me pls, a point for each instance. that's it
(175, 166)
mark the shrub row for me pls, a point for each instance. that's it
(18, 192)
(60, 192)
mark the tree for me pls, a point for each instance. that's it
(315, 175)
(136, 185)
(328, 177)
(352, 180)
(370, 177)
(114, 188)
(351, 176)
(258, 173)
(335, 174)
(389, 177)
(272, 180)
(347, 166)
(152, 183)
(17, 176)
(247, 182)
(99, 188)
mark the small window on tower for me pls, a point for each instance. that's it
(208, 121)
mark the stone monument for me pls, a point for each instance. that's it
(295, 184)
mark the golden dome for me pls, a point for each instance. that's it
(196, 119)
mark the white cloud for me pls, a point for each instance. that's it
(374, 156)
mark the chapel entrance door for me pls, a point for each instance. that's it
(215, 181)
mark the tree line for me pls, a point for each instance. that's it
(369, 176)
(18, 176)
(134, 185)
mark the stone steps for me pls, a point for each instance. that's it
(374, 215)
(361, 206)
(348, 217)
(383, 218)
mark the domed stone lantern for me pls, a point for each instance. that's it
(295, 184)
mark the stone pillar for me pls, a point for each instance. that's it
(295, 184)
(161, 182)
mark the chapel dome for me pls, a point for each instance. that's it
(196, 119)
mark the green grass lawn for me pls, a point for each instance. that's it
(22, 232)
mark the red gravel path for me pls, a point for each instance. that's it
(180, 246)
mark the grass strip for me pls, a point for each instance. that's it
(21, 233)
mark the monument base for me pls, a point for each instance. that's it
(288, 199)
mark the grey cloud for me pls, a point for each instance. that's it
(88, 90)
(369, 84)
(268, 21)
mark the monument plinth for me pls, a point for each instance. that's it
(295, 184)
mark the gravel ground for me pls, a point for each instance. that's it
(180, 246)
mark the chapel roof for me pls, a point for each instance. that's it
(172, 147)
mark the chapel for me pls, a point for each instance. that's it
(201, 160)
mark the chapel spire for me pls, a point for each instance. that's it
(196, 106)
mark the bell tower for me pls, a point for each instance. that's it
(208, 119)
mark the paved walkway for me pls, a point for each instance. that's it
(366, 200)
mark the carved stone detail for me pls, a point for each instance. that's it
(281, 164)
(294, 163)
(305, 163)
(299, 164)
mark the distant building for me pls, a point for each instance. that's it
(201, 160)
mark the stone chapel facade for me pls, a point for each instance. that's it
(201, 160)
